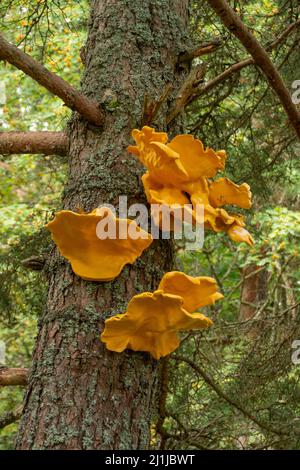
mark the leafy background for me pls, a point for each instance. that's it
(234, 387)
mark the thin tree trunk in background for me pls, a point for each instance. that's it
(80, 395)
(254, 291)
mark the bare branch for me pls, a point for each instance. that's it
(232, 21)
(34, 263)
(283, 35)
(202, 49)
(10, 417)
(151, 108)
(52, 82)
(234, 68)
(13, 376)
(47, 143)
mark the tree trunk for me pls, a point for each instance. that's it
(80, 395)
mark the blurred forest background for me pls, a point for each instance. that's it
(236, 386)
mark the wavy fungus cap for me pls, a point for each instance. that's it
(195, 291)
(212, 196)
(155, 155)
(92, 258)
(168, 205)
(152, 320)
(179, 175)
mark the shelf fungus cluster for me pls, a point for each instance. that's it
(152, 320)
(180, 174)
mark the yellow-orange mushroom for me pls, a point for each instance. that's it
(91, 257)
(240, 234)
(152, 320)
(182, 160)
(223, 191)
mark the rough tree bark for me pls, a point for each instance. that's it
(47, 143)
(80, 395)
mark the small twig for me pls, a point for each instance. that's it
(209, 380)
(283, 35)
(34, 263)
(214, 104)
(212, 268)
(46, 143)
(234, 68)
(187, 91)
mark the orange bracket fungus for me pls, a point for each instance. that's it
(152, 320)
(94, 257)
(180, 172)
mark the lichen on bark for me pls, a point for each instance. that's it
(80, 395)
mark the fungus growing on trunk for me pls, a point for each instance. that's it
(152, 320)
